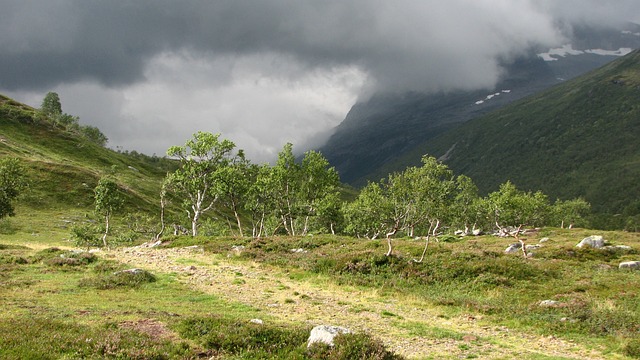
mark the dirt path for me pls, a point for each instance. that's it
(277, 294)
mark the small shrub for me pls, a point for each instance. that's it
(71, 258)
(107, 266)
(632, 349)
(127, 279)
(352, 346)
(225, 336)
(6, 259)
(85, 235)
(124, 238)
(7, 227)
(449, 238)
(45, 254)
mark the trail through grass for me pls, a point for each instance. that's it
(406, 324)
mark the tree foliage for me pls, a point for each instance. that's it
(51, 108)
(108, 200)
(300, 196)
(13, 180)
(203, 160)
(51, 105)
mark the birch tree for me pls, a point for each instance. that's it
(202, 158)
(107, 201)
(318, 187)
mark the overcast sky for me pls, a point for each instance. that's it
(150, 73)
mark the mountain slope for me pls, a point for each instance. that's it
(64, 169)
(377, 133)
(579, 138)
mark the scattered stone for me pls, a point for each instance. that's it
(549, 303)
(190, 268)
(476, 232)
(594, 241)
(237, 249)
(326, 334)
(565, 319)
(132, 168)
(148, 244)
(256, 321)
(298, 251)
(632, 265)
(513, 248)
(544, 240)
(617, 248)
(533, 247)
(469, 338)
(134, 271)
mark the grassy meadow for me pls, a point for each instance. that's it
(58, 303)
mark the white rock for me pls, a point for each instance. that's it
(544, 240)
(549, 303)
(513, 248)
(594, 241)
(256, 321)
(134, 271)
(325, 334)
(633, 265)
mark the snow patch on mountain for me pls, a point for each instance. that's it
(492, 95)
(619, 52)
(627, 32)
(565, 50)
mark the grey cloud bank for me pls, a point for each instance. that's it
(151, 73)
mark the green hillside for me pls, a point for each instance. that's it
(578, 139)
(64, 168)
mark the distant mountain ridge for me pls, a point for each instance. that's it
(577, 139)
(376, 135)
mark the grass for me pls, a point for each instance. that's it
(597, 303)
(59, 303)
(597, 307)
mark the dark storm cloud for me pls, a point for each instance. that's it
(50, 42)
(430, 44)
(150, 73)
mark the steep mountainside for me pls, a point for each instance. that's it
(64, 168)
(377, 134)
(579, 138)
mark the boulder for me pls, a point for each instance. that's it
(513, 248)
(594, 241)
(632, 265)
(326, 334)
